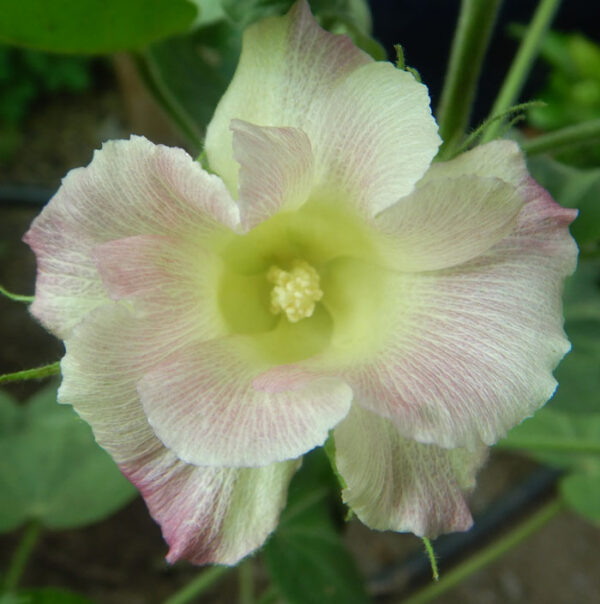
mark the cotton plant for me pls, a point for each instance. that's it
(318, 280)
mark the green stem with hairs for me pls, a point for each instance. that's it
(204, 581)
(571, 135)
(471, 39)
(31, 374)
(432, 559)
(488, 555)
(522, 63)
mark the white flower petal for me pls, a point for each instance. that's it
(130, 188)
(276, 170)
(471, 349)
(205, 405)
(447, 222)
(211, 515)
(207, 515)
(174, 278)
(401, 485)
(369, 124)
(499, 159)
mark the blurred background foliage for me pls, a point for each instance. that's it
(58, 476)
(26, 76)
(572, 88)
(187, 72)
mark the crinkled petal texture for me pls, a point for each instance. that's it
(151, 363)
(207, 514)
(130, 188)
(369, 124)
(471, 351)
(203, 405)
(399, 484)
(276, 170)
(428, 304)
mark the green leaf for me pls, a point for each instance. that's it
(9, 415)
(578, 374)
(559, 438)
(582, 493)
(572, 188)
(566, 433)
(51, 469)
(92, 26)
(46, 595)
(306, 557)
(582, 292)
(189, 74)
(569, 441)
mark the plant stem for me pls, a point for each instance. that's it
(432, 559)
(579, 133)
(521, 65)
(487, 555)
(198, 585)
(15, 297)
(31, 374)
(475, 23)
(246, 580)
(21, 555)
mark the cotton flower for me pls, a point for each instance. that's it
(325, 279)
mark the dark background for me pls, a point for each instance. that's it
(425, 29)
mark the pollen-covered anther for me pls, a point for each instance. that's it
(295, 292)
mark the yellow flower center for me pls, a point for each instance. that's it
(295, 292)
(303, 283)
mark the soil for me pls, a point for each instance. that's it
(121, 560)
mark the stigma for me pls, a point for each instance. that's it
(295, 292)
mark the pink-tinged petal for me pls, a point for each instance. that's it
(448, 221)
(207, 515)
(276, 170)
(211, 515)
(204, 404)
(369, 124)
(401, 485)
(130, 188)
(178, 277)
(472, 350)
(106, 354)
